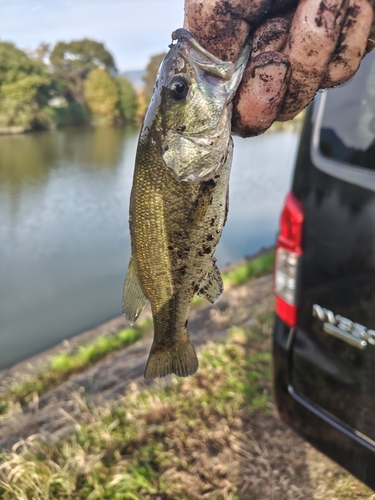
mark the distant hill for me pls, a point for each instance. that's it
(135, 77)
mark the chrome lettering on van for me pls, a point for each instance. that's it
(343, 328)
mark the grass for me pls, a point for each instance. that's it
(93, 351)
(63, 365)
(210, 436)
(249, 270)
(151, 444)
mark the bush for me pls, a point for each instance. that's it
(128, 101)
(73, 113)
(24, 86)
(102, 95)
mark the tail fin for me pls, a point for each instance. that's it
(180, 360)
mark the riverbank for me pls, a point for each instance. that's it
(105, 434)
(108, 378)
(294, 125)
(50, 368)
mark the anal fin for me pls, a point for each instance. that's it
(212, 286)
(134, 299)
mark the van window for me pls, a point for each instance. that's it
(347, 132)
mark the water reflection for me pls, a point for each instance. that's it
(96, 148)
(64, 240)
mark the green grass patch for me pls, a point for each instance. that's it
(89, 353)
(158, 443)
(61, 366)
(253, 269)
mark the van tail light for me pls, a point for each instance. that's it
(288, 254)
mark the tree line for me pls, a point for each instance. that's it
(74, 83)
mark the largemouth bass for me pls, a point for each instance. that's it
(179, 198)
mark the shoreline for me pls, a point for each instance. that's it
(39, 362)
(55, 413)
(294, 125)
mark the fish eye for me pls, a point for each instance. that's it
(178, 88)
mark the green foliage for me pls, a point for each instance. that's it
(73, 61)
(24, 88)
(14, 115)
(77, 85)
(86, 53)
(128, 101)
(73, 113)
(150, 76)
(102, 94)
(41, 53)
(15, 64)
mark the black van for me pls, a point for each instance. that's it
(324, 334)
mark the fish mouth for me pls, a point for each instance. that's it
(200, 57)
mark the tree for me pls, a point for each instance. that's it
(24, 88)
(41, 53)
(73, 61)
(150, 76)
(101, 94)
(128, 101)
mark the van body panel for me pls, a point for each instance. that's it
(324, 369)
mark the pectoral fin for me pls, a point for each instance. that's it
(134, 299)
(211, 287)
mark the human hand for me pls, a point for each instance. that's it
(317, 44)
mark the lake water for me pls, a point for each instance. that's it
(64, 238)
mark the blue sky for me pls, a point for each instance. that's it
(131, 29)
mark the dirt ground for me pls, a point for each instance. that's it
(272, 460)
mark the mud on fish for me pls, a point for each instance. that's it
(179, 198)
